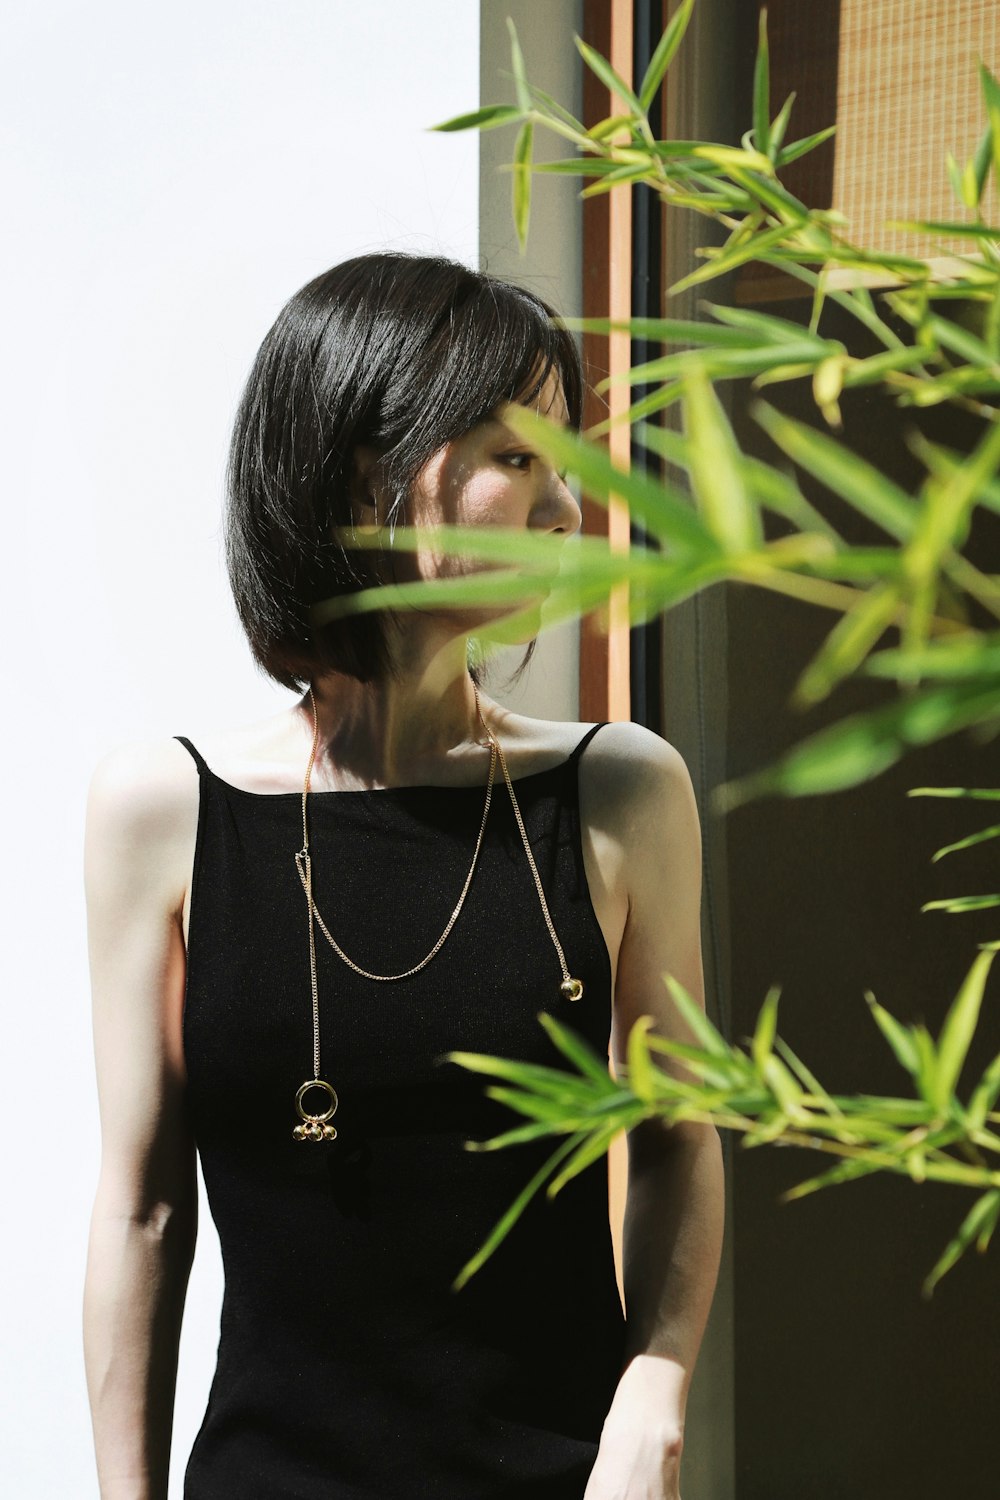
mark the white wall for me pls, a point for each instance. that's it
(171, 175)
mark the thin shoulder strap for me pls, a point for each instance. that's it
(197, 756)
(582, 745)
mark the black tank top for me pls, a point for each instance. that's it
(347, 1368)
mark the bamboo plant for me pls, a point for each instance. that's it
(935, 327)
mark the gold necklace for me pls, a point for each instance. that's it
(315, 1125)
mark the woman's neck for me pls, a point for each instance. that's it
(397, 730)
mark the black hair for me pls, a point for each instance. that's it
(400, 352)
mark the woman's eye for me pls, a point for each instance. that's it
(519, 460)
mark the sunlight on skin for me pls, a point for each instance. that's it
(487, 477)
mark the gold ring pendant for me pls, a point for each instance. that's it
(314, 1127)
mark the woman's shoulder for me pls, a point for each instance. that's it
(150, 778)
(622, 743)
(627, 774)
(140, 828)
(140, 788)
(618, 752)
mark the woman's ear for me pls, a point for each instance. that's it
(365, 483)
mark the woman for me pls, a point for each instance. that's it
(292, 923)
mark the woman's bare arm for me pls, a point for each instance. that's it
(141, 819)
(674, 1205)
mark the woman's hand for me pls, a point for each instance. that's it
(639, 1457)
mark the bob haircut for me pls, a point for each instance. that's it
(401, 352)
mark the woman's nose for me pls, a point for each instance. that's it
(563, 512)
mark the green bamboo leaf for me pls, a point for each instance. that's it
(967, 843)
(641, 1074)
(716, 1072)
(487, 118)
(768, 1128)
(957, 180)
(762, 1042)
(848, 643)
(977, 793)
(521, 86)
(535, 1106)
(497, 586)
(729, 260)
(991, 98)
(875, 262)
(960, 228)
(945, 517)
(752, 1101)
(695, 332)
(876, 367)
(944, 461)
(805, 145)
(783, 1085)
(698, 1022)
(606, 127)
(926, 1077)
(716, 477)
(647, 406)
(904, 1112)
(780, 124)
(967, 188)
(984, 1095)
(519, 1136)
(959, 1026)
(863, 745)
(806, 1076)
(603, 70)
(522, 182)
(827, 385)
(981, 164)
(718, 364)
(844, 1171)
(584, 1156)
(762, 89)
(844, 472)
(957, 904)
(861, 565)
(960, 341)
(986, 1229)
(943, 660)
(557, 1084)
(783, 372)
(732, 159)
(898, 1036)
(540, 97)
(980, 1218)
(766, 328)
(614, 179)
(772, 196)
(579, 1053)
(673, 150)
(664, 53)
(507, 1221)
(578, 166)
(497, 544)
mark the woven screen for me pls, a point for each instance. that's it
(900, 80)
(907, 93)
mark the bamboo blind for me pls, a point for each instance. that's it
(908, 92)
(900, 80)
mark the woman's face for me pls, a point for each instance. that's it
(490, 477)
